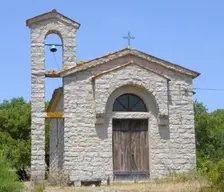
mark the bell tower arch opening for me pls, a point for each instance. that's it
(53, 52)
(53, 61)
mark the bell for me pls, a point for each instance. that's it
(53, 48)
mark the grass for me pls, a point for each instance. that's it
(143, 187)
(192, 186)
(185, 182)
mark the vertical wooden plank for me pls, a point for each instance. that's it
(146, 151)
(121, 145)
(134, 154)
(139, 145)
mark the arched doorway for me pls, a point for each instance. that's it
(130, 139)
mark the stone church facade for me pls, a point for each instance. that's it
(124, 115)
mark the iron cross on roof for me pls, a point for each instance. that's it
(129, 39)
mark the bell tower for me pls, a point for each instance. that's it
(41, 26)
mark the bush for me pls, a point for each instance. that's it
(56, 178)
(38, 188)
(204, 165)
(174, 177)
(8, 177)
(216, 176)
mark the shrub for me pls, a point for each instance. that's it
(187, 176)
(8, 177)
(174, 177)
(216, 176)
(204, 165)
(57, 177)
(38, 188)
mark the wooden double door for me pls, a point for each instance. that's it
(130, 148)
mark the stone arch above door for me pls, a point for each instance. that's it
(140, 92)
(154, 86)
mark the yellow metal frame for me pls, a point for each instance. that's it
(55, 115)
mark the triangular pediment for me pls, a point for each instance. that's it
(51, 15)
(128, 64)
(125, 52)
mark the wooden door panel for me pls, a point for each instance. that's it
(130, 147)
(121, 146)
(139, 145)
(121, 151)
(139, 151)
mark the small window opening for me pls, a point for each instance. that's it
(129, 102)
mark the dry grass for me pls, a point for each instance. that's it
(193, 186)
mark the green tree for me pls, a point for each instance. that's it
(15, 128)
(15, 123)
(209, 136)
(8, 177)
(216, 176)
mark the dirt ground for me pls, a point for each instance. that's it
(128, 187)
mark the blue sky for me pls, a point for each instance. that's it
(189, 33)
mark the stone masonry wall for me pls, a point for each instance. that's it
(88, 147)
(39, 31)
(66, 32)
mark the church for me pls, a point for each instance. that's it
(126, 115)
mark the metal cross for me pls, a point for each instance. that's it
(129, 39)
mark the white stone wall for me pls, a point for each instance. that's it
(88, 147)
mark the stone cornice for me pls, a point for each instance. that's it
(50, 15)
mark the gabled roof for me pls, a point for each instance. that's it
(58, 93)
(51, 14)
(125, 52)
(129, 63)
(109, 57)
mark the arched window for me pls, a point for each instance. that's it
(129, 102)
